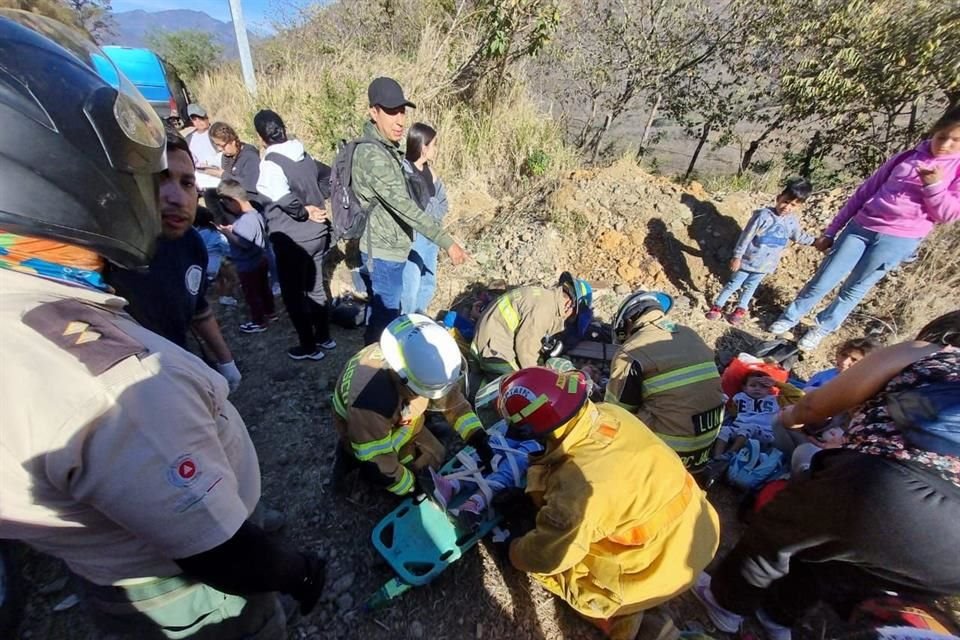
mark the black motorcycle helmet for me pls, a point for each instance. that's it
(80, 149)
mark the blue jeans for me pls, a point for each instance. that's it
(749, 280)
(419, 276)
(384, 286)
(861, 256)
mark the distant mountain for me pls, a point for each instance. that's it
(132, 27)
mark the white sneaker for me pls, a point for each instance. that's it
(812, 339)
(774, 630)
(228, 301)
(724, 620)
(780, 327)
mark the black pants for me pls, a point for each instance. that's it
(300, 271)
(859, 525)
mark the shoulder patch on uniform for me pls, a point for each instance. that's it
(87, 333)
(379, 395)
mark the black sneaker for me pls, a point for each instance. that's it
(252, 327)
(299, 353)
(328, 344)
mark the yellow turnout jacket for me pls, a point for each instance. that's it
(621, 525)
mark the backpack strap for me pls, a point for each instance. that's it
(279, 159)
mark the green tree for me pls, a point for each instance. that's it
(191, 52)
(868, 76)
(507, 31)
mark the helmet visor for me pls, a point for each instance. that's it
(129, 129)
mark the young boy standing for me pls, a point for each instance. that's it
(247, 238)
(760, 246)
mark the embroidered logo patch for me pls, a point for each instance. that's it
(184, 471)
(193, 278)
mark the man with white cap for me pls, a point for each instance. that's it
(201, 147)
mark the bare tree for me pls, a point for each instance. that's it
(96, 16)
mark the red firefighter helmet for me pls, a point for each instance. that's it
(537, 400)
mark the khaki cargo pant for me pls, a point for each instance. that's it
(178, 607)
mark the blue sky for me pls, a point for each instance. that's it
(258, 13)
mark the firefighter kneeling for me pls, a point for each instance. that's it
(381, 398)
(620, 525)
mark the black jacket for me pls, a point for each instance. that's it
(244, 168)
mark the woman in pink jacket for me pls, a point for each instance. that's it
(881, 225)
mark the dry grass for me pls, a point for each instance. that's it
(323, 100)
(928, 288)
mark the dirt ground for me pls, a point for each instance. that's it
(285, 405)
(620, 228)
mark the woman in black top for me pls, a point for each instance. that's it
(240, 161)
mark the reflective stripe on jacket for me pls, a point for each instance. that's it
(376, 423)
(621, 526)
(665, 373)
(510, 333)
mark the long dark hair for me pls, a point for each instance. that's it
(944, 330)
(270, 127)
(419, 136)
(948, 120)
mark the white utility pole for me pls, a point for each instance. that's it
(243, 45)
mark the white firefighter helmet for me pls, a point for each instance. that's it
(423, 354)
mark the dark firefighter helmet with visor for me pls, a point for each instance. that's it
(81, 151)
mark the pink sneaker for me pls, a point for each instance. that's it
(714, 313)
(443, 489)
(737, 316)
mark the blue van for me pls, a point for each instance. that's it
(157, 80)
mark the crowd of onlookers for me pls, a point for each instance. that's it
(123, 456)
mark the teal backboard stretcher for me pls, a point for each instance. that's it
(419, 540)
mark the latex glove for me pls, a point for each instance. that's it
(481, 444)
(229, 371)
(310, 590)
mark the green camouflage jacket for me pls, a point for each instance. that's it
(378, 180)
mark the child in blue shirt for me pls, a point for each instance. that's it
(848, 354)
(219, 273)
(760, 246)
(248, 241)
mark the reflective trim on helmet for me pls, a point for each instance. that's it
(509, 314)
(680, 378)
(466, 424)
(530, 408)
(395, 329)
(404, 485)
(573, 381)
(366, 451)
